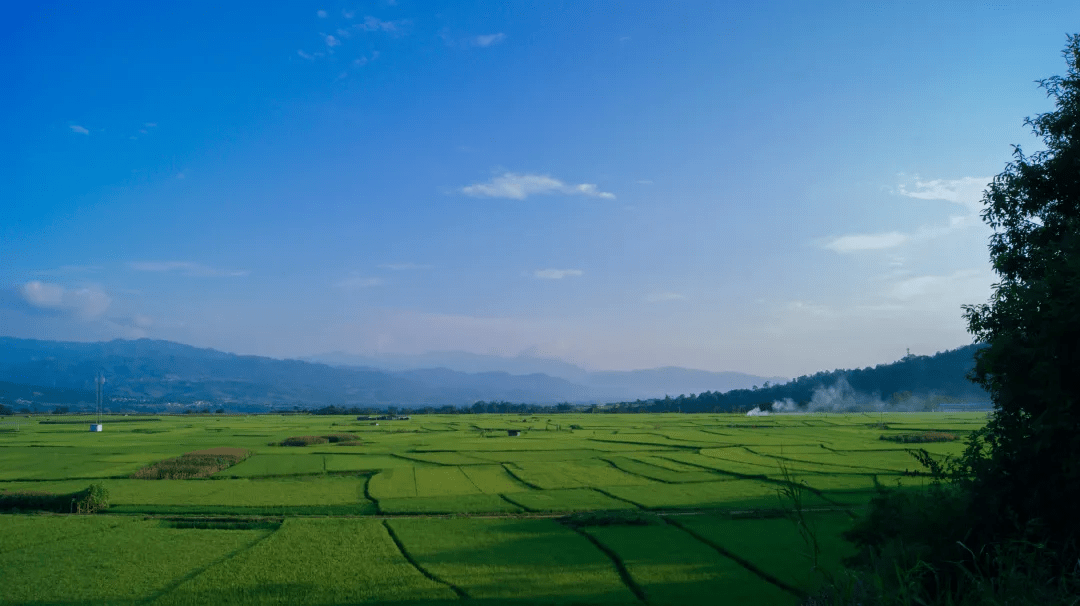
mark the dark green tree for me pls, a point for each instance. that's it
(1025, 472)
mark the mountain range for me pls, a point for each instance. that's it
(147, 373)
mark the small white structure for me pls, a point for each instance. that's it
(95, 427)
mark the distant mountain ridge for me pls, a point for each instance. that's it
(160, 372)
(609, 384)
(146, 374)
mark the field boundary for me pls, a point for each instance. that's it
(620, 566)
(741, 561)
(409, 558)
(519, 478)
(176, 583)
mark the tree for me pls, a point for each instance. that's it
(1025, 470)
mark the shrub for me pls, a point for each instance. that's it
(920, 438)
(611, 518)
(93, 499)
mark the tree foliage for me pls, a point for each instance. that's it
(1028, 483)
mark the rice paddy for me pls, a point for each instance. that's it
(446, 509)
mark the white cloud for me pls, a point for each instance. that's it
(332, 41)
(75, 128)
(186, 268)
(961, 286)
(356, 282)
(304, 55)
(858, 242)
(556, 274)
(657, 297)
(520, 186)
(489, 39)
(348, 14)
(966, 191)
(87, 302)
(321, 14)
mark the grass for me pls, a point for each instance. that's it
(672, 567)
(113, 562)
(314, 561)
(538, 560)
(437, 478)
(775, 546)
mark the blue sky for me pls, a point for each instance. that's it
(777, 188)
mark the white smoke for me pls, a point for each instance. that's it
(785, 405)
(842, 397)
(757, 412)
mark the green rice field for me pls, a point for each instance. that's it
(439, 509)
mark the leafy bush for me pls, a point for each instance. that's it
(93, 499)
(611, 518)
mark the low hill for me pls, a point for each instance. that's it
(912, 383)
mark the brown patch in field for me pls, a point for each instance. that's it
(197, 464)
(334, 438)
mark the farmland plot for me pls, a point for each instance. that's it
(393, 483)
(268, 465)
(775, 546)
(492, 479)
(570, 499)
(313, 561)
(536, 560)
(672, 567)
(127, 561)
(574, 474)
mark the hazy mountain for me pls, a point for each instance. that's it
(162, 371)
(609, 384)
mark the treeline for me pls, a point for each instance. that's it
(942, 374)
(480, 407)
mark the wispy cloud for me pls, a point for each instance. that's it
(657, 297)
(186, 268)
(405, 266)
(331, 41)
(86, 302)
(321, 14)
(966, 192)
(82, 130)
(556, 274)
(307, 55)
(859, 242)
(520, 186)
(357, 282)
(489, 40)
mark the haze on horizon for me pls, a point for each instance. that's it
(774, 189)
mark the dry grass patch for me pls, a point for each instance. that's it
(197, 464)
(345, 439)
